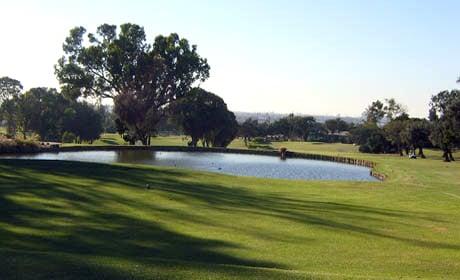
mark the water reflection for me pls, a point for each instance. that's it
(134, 156)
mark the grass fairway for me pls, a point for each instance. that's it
(68, 220)
(115, 139)
(181, 140)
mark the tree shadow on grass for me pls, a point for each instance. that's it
(108, 141)
(35, 265)
(90, 229)
(58, 206)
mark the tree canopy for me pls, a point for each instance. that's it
(141, 78)
(390, 109)
(336, 125)
(374, 113)
(394, 131)
(416, 134)
(46, 113)
(249, 129)
(9, 88)
(394, 109)
(204, 116)
(445, 116)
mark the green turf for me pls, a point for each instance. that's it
(181, 140)
(65, 220)
(115, 139)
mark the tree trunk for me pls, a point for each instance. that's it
(406, 149)
(446, 156)
(451, 157)
(420, 152)
(400, 150)
(193, 142)
(149, 140)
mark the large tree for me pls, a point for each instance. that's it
(282, 126)
(249, 129)
(141, 78)
(9, 89)
(304, 126)
(8, 115)
(445, 116)
(204, 116)
(416, 134)
(84, 121)
(395, 133)
(45, 112)
(331, 125)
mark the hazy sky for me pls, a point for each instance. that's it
(313, 57)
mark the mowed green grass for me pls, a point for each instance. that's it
(68, 220)
(115, 139)
(181, 140)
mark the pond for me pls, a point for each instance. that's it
(234, 164)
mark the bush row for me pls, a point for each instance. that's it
(18, 146)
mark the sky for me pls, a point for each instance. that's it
(311, 57)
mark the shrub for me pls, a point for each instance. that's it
(8, 145)
(364, 149)
(376, 143)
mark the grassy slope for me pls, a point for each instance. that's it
(61, 219)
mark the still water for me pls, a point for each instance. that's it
(235, 164)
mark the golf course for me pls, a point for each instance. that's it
(76, 220)
(222, 140)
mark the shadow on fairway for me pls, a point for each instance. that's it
(90, 230)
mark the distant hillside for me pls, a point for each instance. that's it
(271, 117)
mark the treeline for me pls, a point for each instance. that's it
(389, 129)
(151, 86)
(292, 127)
(386, 128)
(46, 114)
